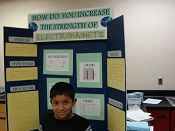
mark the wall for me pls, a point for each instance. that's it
(149, 34)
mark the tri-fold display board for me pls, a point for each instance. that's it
(96, 68)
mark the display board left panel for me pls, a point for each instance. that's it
(21, 79)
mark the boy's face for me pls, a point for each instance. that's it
(62, 107)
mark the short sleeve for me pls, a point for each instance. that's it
(89, 128)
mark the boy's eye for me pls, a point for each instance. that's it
(55, 103)
(65, 102)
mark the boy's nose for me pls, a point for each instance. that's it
(60, 107)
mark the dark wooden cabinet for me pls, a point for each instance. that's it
(161, 121)
(164, 118)
(173, 120)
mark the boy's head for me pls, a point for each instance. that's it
(62, 98)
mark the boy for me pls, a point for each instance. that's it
(62, 97)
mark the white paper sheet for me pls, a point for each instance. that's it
(138, 115)
(57, 62)
(89, 72)
(152, 101)
(88, 106)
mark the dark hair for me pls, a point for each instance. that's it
(62, 88)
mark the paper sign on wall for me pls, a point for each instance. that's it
(21, 63)
(20, 39)
(91, 106)
(116, 73)
(23, 111)
(58, 62)
(22, 88)
(116, 119)
(19, 74)
(18, 49)
(69, 25)
(89, 70)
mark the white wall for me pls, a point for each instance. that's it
(149, 34)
